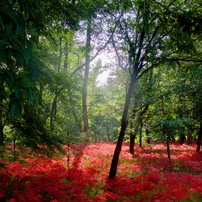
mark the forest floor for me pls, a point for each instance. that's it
(145, 176)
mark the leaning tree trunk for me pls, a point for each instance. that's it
(115, 159)
(199, 139)
(136, 68)
(85, 83)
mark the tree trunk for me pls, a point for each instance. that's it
(167, 142)
(182, 138)
(66, 55)
(1, 136)
(132, 143)
(1, 128)
(189, 136)
(148, 136)
(136, 68)
(60, 54)
(141, 124)
(53, 113)
(168, 147)
(107, 129)
(78, 122)
(114, 163)
(132, 130)
(85, 83)
(199, 139)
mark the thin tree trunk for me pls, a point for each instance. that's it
(132, 131)
(167, 142)
(53, 113)
(85, 83)
(114, 164)
(60, 56)
(78, 122)
(1, 128)
(66, 55)
(141, 125)
(199, 139)
(141, 122)
(132, 142)
(168, 147)
(189, 136)
(107, 129)
(182, 138)
(136, 68)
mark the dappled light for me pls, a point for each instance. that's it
(100, 101)
(145, 176)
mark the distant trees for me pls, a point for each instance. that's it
(23, 74)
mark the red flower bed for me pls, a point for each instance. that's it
(145, 176)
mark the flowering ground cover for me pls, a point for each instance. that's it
(145, 176)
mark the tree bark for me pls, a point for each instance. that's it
(85, 83)
(53, 113)
(136, 68)
(182, 138)
(189, 136)
(141, 125)
(167, 142)
(199, 139)
(1, 136)
(1, 128)
(132, 143)
(114, 164)
(107, 129)
(78, 122)
(148, 136)
(141, 122)
(132, 130)
(66, 55)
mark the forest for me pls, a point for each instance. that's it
(100, 100)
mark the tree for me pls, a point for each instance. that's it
(23, 25)
(86, 74)
(151, 36)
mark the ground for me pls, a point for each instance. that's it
(145, 176)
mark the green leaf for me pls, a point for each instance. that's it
(19, 57)
(30, 95)
(19, 31)
(25, 83)
(3, 55)
(15, 110)
(9, 29)
(3, 44)
(9, 80)
(3, 94)
(18, 92)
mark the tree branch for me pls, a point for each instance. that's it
(102, 48)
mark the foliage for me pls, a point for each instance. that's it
(42, 53)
